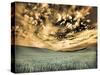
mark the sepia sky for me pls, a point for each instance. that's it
(56, 27)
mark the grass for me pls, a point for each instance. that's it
(28, 59)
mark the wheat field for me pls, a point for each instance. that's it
(29, 59)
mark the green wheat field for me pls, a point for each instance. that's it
(28, 59)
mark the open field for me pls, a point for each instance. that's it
(29, 59)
